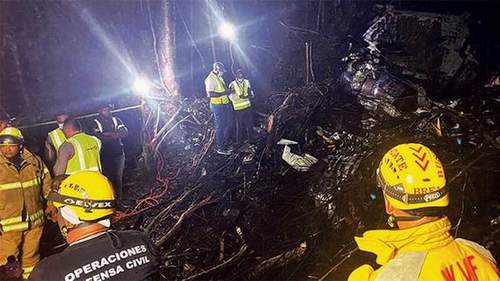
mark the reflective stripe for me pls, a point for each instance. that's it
(115, 122)
(398, 269)
(79, 153)
(21, 226)
(17, 223)
(24, 184)
(120, 126)
(57, 138)
(27, 271)
(241, 104)
(37, 215)
(220, 100)
(99, 125)
(37, 218)
(12, 220)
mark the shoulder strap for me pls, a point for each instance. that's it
(115, 122)
(99, 125)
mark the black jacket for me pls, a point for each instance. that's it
(115, 255)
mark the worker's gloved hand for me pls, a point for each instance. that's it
(51, 212)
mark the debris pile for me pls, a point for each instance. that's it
(286, 206)
(217, 217)
(405, 37)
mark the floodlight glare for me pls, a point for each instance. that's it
(141, 85)
(227, 31)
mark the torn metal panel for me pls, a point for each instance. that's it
(425, 46)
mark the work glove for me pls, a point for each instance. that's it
(51, 212)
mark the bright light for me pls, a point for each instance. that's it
(141, 85)
(227, 31)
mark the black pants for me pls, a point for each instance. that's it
(112, 168)
(244, 123)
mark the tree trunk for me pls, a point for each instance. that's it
(211, 30)
(167, 47)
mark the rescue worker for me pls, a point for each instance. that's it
(110, 130)
(219, 105)
(55, 138)
(4, 120)
(413, 183)
(240, 98)
(85, 201)
(80, 152)
(24, 179)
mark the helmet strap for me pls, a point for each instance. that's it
(392, 220)
(64, 231)
(83, 231)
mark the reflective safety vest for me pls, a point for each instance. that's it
(220, 87)
(57, 138)
(86, 156)
(20, 192)
(240, 97)
(424, 253)
(117, 126)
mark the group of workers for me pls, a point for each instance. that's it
(230, 105)
(70, 149)
(410, 176)
(77, 196)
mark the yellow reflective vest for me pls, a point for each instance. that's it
(86, 156)
(220, 87)
(240, 98)
(424, 253)
(21, 192)
(57, 138)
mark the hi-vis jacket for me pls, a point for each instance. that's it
(240, 97)
(424, 253)
(21, 192)
(86, 156)
(220, 87)
(57, 138)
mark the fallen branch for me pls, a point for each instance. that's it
(165, 211)
(281, 260)
(183, 217)
(349, 254)
(223, 265)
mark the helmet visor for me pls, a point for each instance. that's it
(10, 140)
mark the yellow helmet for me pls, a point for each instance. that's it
(11, 136)
(89, 194)
(412, 177)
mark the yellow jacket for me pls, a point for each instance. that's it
(21, 192)
(424, 253)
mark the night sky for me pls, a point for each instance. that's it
(76, 54)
